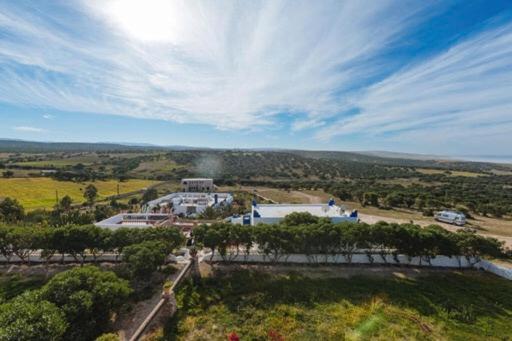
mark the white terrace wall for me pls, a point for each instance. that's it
(439, 261)
(495, 269)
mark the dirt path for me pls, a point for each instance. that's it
(372, 219)
(496, 228)
(128, 322)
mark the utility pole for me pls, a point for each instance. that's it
(57, 197)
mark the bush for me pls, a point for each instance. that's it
(27, 318)
(143, 259)
(87, 296)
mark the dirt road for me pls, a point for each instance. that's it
(372, 219)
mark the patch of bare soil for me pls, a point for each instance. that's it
(372, 219)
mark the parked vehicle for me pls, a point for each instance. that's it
(451, 217)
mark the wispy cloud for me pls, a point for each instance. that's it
(461, 94)
(217, 63)
(28, 129)
(48, 117)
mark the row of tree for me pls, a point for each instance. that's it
(485, 195)
(82, 242)
(301, 233)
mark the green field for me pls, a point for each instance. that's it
(437, 306)
(35, 193)
(61, 162)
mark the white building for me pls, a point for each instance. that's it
(274, 213)
(135, 220)
(188, 204)
(197, 185)
(164, 211)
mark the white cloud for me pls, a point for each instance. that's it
(28, 129)
(219, 63)
(48, 117)
(306, 124)
(461, 97)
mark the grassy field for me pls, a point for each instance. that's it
(155, 167)
(35, 193)
(450, 173)
(255, 305)
(62, 162)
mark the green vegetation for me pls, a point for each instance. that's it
(422, 185)
(14, 285)
(34, 193)
(81, 241)
(310, 235)
(261, 306)
(29, 317)
(73, 305)
(87, 296)
(145, 258)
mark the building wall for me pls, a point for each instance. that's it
(197, 185)
(275, 220)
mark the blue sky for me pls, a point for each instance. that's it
(410, 76)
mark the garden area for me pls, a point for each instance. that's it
(255, 305)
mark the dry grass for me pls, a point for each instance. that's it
(452, 172)
(153, 167)
(34, 193)
(62, 162)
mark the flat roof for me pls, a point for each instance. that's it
(221, 196)
(282, 210)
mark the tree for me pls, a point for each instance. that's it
(23, 241)
(299, 218)
(209, 213)
(419, 203)
(87, 296)
(5, 243)
(133, 202)
(149, 194)
(90, 193)
(145, 258)
(79, 239)
(11, 210)
(27, 318)
(371, 198)
(8, 174)
(108, 337)
(65, 203)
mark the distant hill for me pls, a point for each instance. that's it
(396, 155)
(9, 145)
(382, 158)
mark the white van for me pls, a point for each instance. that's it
(451, 217)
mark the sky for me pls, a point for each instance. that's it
(429, 77)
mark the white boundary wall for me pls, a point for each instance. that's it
(495, 269)
(439, 261)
